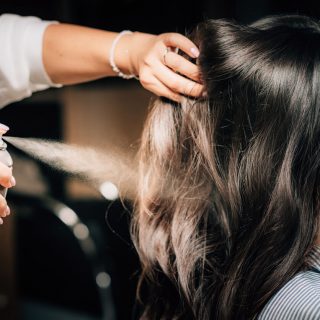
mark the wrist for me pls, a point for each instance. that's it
(130, 51)
(123, 53)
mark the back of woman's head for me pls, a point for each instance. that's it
(229, 183)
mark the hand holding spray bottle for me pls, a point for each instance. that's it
(6, 159)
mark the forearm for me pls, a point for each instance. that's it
(39, 54)
(74, 54)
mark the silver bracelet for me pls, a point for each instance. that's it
(112, 61)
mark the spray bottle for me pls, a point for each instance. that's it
(5, 157)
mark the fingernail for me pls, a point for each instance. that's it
(3, 128)
(195, 52)
(12, 181)
(7, 211)
(1, 221)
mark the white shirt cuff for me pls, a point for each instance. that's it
(21, 64)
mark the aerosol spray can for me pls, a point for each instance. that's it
(5, 157)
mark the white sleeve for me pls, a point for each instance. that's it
(21, 65)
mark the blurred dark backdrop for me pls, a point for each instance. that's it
(51, 272)
(155, 16)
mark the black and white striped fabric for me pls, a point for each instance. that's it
(299, 299)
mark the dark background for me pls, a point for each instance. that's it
(155, 16)
(50, 268)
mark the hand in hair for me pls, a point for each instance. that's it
(171, 77)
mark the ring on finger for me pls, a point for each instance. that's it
(167, 50)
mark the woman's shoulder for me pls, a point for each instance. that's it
(299, 299)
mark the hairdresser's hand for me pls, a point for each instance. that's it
(6, 181)
(166, 74)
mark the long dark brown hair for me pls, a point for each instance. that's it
(228, 201)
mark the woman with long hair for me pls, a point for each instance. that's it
(227, 216)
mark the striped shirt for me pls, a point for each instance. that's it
(299, 299)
